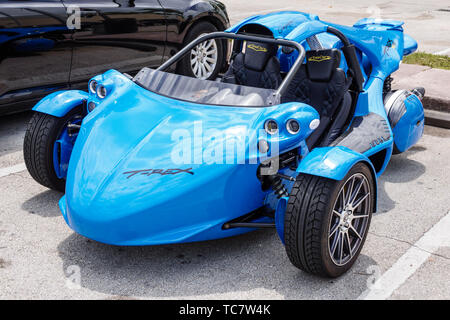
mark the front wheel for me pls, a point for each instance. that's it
(42, 156)
(327, 221)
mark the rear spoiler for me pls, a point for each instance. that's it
(410, 45)
(379, 24)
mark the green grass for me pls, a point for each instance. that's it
(427, 59)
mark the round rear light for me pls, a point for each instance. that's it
(93, 86)
(271, 126)
(101, 92)
(292, 126)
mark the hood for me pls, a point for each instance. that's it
(137, 130)
(128, 164)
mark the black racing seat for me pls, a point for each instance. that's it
(257, 67)
(322, 84)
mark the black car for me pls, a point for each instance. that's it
(52, 45)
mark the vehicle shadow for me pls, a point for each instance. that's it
(12, 131)
(401, 169)
(43, 204)
(254, 265)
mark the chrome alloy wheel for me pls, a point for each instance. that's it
(350, 218)
(204, 59)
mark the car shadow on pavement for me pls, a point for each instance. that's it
(12, 131)
(43, 204)
(401, 169)
(254, 265)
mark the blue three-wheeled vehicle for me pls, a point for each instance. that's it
(293, 136)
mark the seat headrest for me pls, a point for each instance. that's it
(257, 54)
(320, 64)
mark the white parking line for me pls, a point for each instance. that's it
(10, 170)
(443, 52)
(438, 236)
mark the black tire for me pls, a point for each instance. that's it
(308, 217)
(395, 150)
(42, 132)
(184, 66)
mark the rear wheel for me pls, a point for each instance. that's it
(206, 59)
(39, 147)
(327, 221)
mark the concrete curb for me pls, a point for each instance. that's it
(437, 119)
(436, 104)
(437, 111)
(437, 97)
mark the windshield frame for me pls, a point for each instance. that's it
(144, 79)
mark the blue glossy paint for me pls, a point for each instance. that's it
(410, 45)
(381, 41)
(280, 23)
(410, 127)
(279, 217)
(59, 103)
(62, 150)
(331, 162)
(379, 24)
(132, 129)
(335, 162)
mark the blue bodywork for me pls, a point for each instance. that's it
(59, 103)
(113, 193)
(331, 162)
(410, 127)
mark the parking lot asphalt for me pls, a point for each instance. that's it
(40, 256)
(426, 21)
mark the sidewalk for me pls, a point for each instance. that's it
(437, 86)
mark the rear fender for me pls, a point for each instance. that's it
(59, 103)
(334, 163)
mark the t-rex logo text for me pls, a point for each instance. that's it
(149, 172)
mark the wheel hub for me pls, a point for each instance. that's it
(204, 59)
(350, 220)
(346, 220)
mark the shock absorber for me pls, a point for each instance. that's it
(278, 187)
(387, 87)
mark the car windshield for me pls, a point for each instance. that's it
(204, 91)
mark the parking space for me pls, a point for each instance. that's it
(406, 255)
(40, 257)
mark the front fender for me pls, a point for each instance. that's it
(328, 162)
(331, 162)
(334, 163)
(59, 103)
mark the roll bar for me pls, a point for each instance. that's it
(226, 35)
(352, 60)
